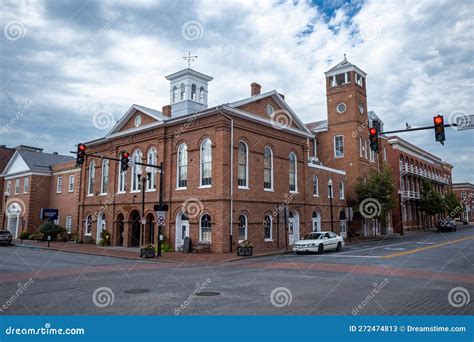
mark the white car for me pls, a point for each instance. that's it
(319, 242)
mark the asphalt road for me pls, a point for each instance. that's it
(424, 274)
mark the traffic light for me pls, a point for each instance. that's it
(374, 139)
(439, 129)
(124, 161)
(80, 154)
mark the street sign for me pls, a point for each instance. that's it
(47, 213)
(143, 221)
(465, 122)
(163, 207)
(161, 217)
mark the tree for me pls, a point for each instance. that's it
(376, 197)
(453, 206)
(431, 202)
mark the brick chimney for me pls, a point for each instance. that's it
(255, 89)
(166, 110)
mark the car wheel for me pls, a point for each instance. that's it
(339, 246)
(320, 249)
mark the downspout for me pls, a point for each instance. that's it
(231, 178)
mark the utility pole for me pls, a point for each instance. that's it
(160, 204)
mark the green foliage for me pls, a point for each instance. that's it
(48, 228)
(25, 235)
(379, 187)
(431, 202)
(37, 235)
(453, 206)
(104, 238)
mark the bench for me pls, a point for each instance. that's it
(202, 247)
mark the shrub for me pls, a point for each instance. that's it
(37, 236)
(48, 228)
(25, 235)
(104, 238)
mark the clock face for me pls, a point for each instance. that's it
(361, 108)
(341, 108)
(138, 120)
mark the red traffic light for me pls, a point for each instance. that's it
(438, 120)
(125, 154)
(372, 131)
(82, 147)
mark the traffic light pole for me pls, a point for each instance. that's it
(416, 129)
(160, 203)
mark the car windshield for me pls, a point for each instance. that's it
(313, 236)
(4, 232)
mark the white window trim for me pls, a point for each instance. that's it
(68, 220)
(177, 167)
(270, 239)
(26, 184)
(296, 174)
(317, 186)
(138, 153)
(90, 176)
(59, 181)
(247, 178)
(343, 190)
(17, 186)
(200, 230)
(120, 175)
(105, 166)
(151, 150)
(246, 228)
(334, 146)
(201, 186)
(71, 183)
(85, 228)
(8, 189)
(271, 169)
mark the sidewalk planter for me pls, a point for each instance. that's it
(147, 251)
(245, 248)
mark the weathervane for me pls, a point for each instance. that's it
(189, 58)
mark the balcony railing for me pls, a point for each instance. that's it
(410, 195)
(413, 170)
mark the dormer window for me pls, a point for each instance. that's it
(201, 95)
(359, 80)
(341, 79)
(182, 92)
(175, 94)
(193, 92)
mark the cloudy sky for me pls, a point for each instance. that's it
(69, 68)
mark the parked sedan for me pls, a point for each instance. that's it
(5, 237)
(319, 242)
(446, 225)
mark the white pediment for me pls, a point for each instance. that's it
(16, 165)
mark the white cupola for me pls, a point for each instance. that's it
(188, 92)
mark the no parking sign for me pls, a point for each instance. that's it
(161, 217)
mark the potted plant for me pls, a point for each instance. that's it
(245, 248)
(147, 251)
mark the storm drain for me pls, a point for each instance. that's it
(207, 293)
(136, 291)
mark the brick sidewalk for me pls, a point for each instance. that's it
(133, 253)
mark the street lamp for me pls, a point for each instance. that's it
(5, 209)
(330, 203)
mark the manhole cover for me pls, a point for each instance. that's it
(136, 291)
(207, 293)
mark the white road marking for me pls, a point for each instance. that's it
(395, 249)
(426, 243)
(385, 246)
(351, 256)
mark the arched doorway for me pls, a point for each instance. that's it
(136, 227)
(119, 230)
(101, 226)
(293, 227)
(182, 230)
(342, 224)
(14, 215)
(150, 228)
(316, 221)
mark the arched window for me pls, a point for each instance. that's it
(193, 92)
(182, 91)
(90, 185)
(242, 230)
(206, 163)
(341, 190)
(316, 221)
(88, 226)
(293, 173)
(151, 180)
(242, 163)
(267, 228)
(205, 228)
(121, 178)
(361, 148)
(136, 171)
(315, 186)
(268, 168)
(365, 148)
(182, 178)
(175, 94)
(105, 176)
(201, 95)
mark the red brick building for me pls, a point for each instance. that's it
(465, 194)
(5, 155)
(34, 180)
(230, 173)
